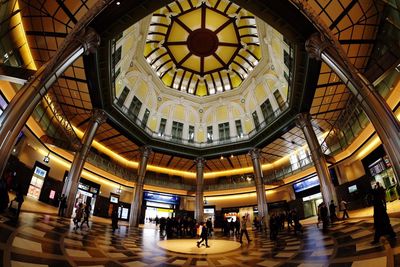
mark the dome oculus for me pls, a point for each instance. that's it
(202, 49)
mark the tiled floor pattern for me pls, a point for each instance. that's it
(45, 240)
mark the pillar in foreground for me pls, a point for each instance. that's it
(375, 107)
(327, 188)
(136, 205)
(260, 186)
(199, 209)
(71, 183)
(28, 97)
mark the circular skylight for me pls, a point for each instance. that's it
(202, 48)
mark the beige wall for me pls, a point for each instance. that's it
(353, 170)
(250, 199)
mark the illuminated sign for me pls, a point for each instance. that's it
(52, 194)
(113, 199)
(306, 184)
(171, 199)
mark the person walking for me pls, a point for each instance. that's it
(4, 198)
(114, 218)
(319, 218)
(381, 219)
(324, 216)
(203, 235)
(209, 227)
(243, 228)
(63, 204)
(86, 214)
(343, 208)
(19, 197)
(332, 211)
(78, 216)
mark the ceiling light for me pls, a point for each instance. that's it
(118, 3)
(231, 155)
(222, 157)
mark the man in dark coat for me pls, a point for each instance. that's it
(381, 219)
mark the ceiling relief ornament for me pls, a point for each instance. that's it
(202, 48)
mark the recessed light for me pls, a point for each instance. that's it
(118, 3)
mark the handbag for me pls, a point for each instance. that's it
(13, 205)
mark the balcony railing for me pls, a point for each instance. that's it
(286, 171)
(111, 167)
(208, 143)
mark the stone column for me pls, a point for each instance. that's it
(327, 188)
(375, 107)
(199, 209)
(28, 97)
(260, 187)
(136, 205)
(72, 181)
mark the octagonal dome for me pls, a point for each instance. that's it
(202, 47)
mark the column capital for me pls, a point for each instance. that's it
(200, 162)
(315, 44)
(99, 116)
(255, 153)
(89, 39)
(145, 151)
(303, 119)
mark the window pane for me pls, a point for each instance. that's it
(123, 96)
(209, 134)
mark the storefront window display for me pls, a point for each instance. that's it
(381, 171)
(39, 175)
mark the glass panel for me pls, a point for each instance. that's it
(123, 96)
(224, 131)
(239, 128)
(191, 134)
(177, 129)
(209, 134)
(256, 120)
(145, 118)
(161, 130)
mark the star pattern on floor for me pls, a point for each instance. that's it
(45, 240)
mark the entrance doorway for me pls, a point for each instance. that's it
(40, 172)
(311, 203)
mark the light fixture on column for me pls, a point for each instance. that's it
(47, 158)
(119, 190)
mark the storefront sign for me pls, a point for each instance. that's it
(306, 184)
(161, 198)
(52, 194)
(209, 211)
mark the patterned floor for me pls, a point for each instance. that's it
(45, 240)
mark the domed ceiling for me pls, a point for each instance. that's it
(202, 47)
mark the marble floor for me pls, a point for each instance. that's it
(46, 240)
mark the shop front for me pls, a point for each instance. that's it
(379, 169)
(308, 191)
(159, 205)
(209, 213)
(39, 175)
(123, 208)
(86, 194)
